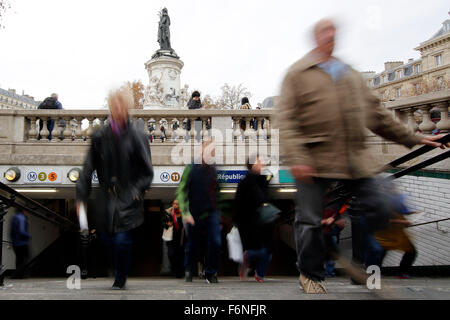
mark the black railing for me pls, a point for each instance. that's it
(340, 193)
(11, 198)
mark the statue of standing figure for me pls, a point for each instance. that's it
(164, 31)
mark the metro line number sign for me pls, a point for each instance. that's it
(42, 176)
(169, 177)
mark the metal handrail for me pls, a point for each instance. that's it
(422, 150)
(410, 226)
(416, 153)
(48, 213)
(428, 222)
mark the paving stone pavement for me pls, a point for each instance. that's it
(228, 288)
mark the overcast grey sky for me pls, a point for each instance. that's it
(80, 49)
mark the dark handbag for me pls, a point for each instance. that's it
(267, 213)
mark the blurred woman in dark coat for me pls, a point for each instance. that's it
(257, 239)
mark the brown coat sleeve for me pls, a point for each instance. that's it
(287, 121)
(381, 122)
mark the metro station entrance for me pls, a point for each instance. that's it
(147, 250)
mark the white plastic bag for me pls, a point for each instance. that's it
(168, 234)
(235, 249)
(83, 217)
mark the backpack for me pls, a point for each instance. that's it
(49, 103)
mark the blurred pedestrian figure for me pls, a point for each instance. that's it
(20, 239)
(323, 111)
(49, 103)
(198, 195)
(396, 238)
(173, 221)
(121, 156)
(333, 224)
(257, 238)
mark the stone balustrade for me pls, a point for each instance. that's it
(22, 143)
(72, 126)
(416, 111)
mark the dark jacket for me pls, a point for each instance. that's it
(251, 193)
(124, 170)
(193, 104)
(57, 105)
(197, 193)
(19, 230)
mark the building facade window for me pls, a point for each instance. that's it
(438, 60)
(418, 68)
(398, 92)
(391, 76)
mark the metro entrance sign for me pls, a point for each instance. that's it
(231, 176)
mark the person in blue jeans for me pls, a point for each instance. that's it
(119, 253)
(257, 239)
(198, 197)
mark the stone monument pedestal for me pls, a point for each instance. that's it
(164, 71)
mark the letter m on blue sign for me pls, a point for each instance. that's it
(32, 176)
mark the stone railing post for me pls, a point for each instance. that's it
(444, 124)
(411, 121)
(78, 132)
(67, 130)
(44, 132)
(427, 126)
(247, 132)
(260, 128)
(169, 130)
(237, 128)
(204, 133)
(57, 130)
(146, 131)
(33, 132)
(157, 131)
(267, 127)
(90, 129)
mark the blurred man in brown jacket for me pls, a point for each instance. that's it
(323, 113)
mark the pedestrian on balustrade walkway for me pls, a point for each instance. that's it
(194, 103)
(323, 111)
(49, 103)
